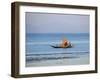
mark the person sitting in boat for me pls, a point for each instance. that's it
(65, 43)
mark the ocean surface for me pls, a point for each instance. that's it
(40, 53)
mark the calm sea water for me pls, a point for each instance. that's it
(38, 47)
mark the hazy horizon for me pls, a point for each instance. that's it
(57, 33)
(56, 23)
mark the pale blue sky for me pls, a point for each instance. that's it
(56, 23)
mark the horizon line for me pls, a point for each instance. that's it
(60, 33)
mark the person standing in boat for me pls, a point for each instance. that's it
(65, 43)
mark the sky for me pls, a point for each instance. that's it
(56, 23)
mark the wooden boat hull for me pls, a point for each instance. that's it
(56, 46)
